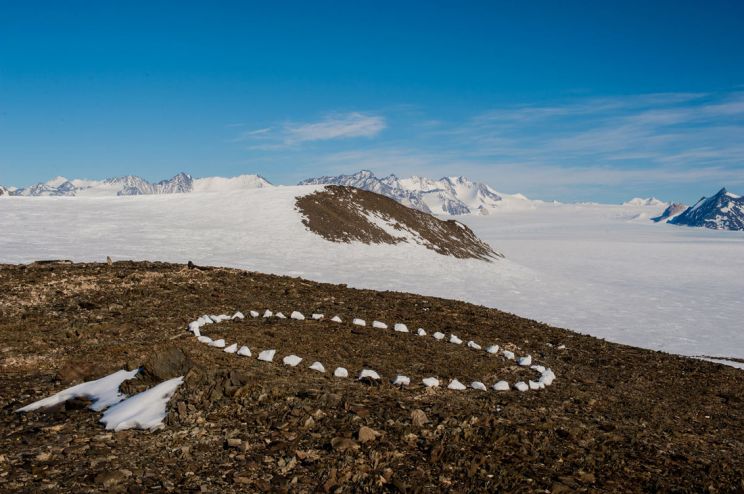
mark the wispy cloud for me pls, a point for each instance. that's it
(333, 126)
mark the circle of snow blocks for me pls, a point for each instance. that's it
(267, 355)
(204, 339)
(400, 327)
(473, 345)
(456, 385)
(317, 366)
(292, 360)
(454, 339)
(218, 343)
(254, 313)
(238, 315)
(478, 385)
(438, 336)
(244, 351)
(525, 361)
(430, 382)
(297, 316)
(341, 372)
(536, 385)
(359, 322)
(421, 332)
(501, 386)
(231, 349)
(538, 368)
(280, 315)
(336, 319)
(317, 317)
(369, 373)
(268, 313)
(521, 386)
(508, 354)
(492, 349)
(401, 380)
(379, 325)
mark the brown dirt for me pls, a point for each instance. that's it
(340, 214)
(617, 419)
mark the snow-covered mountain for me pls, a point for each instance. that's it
(723, 211)
(132, 185)
(448, 195)
(672, 211)
(4, 191)
(647, 201)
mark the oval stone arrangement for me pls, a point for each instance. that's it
(545, 376)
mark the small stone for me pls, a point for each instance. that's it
(110, 478)
(367, 434)
(234, 442)
(343, 444)
(419, 418)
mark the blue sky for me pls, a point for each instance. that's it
(558, 100)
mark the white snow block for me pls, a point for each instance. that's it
(521, 386)
(547, 377)
(197, 332)
(194, 326)
(218, 343)
(279, 315)
(473, 345)
(244, 351)
(254, 313)
(359, 322)
(536, 385)
(103, 392)
(297, 316)
(508, 354)
(238, 315)
(204, 339)
(220, 318)
(318, 317)
(454, 339)
(538, 368)
(144, 410)
(438, 336)
(317, 366)
(561, 347)
(456, 385)
(421, 332)
(525, 361)
(341, 372)
(401, 380)
(267, 355)
(292, 360)
(268, 313)
(430, 382)
(336, 319)
(492, 349)
(501, 386)
(231, 349)
(379, 325)
(369, 373)
(478, 385)
(400, 327)
(204, 320)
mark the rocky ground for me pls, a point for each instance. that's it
(617, 419)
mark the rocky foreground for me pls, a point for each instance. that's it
(617, 418)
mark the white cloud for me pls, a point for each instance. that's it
(337, 126)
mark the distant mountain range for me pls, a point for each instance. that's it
(132, 185)
(448, 195)
(723, 211)
(649, 201)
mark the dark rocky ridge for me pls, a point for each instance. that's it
(342, 214)
(723, 211)
(617, 419)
